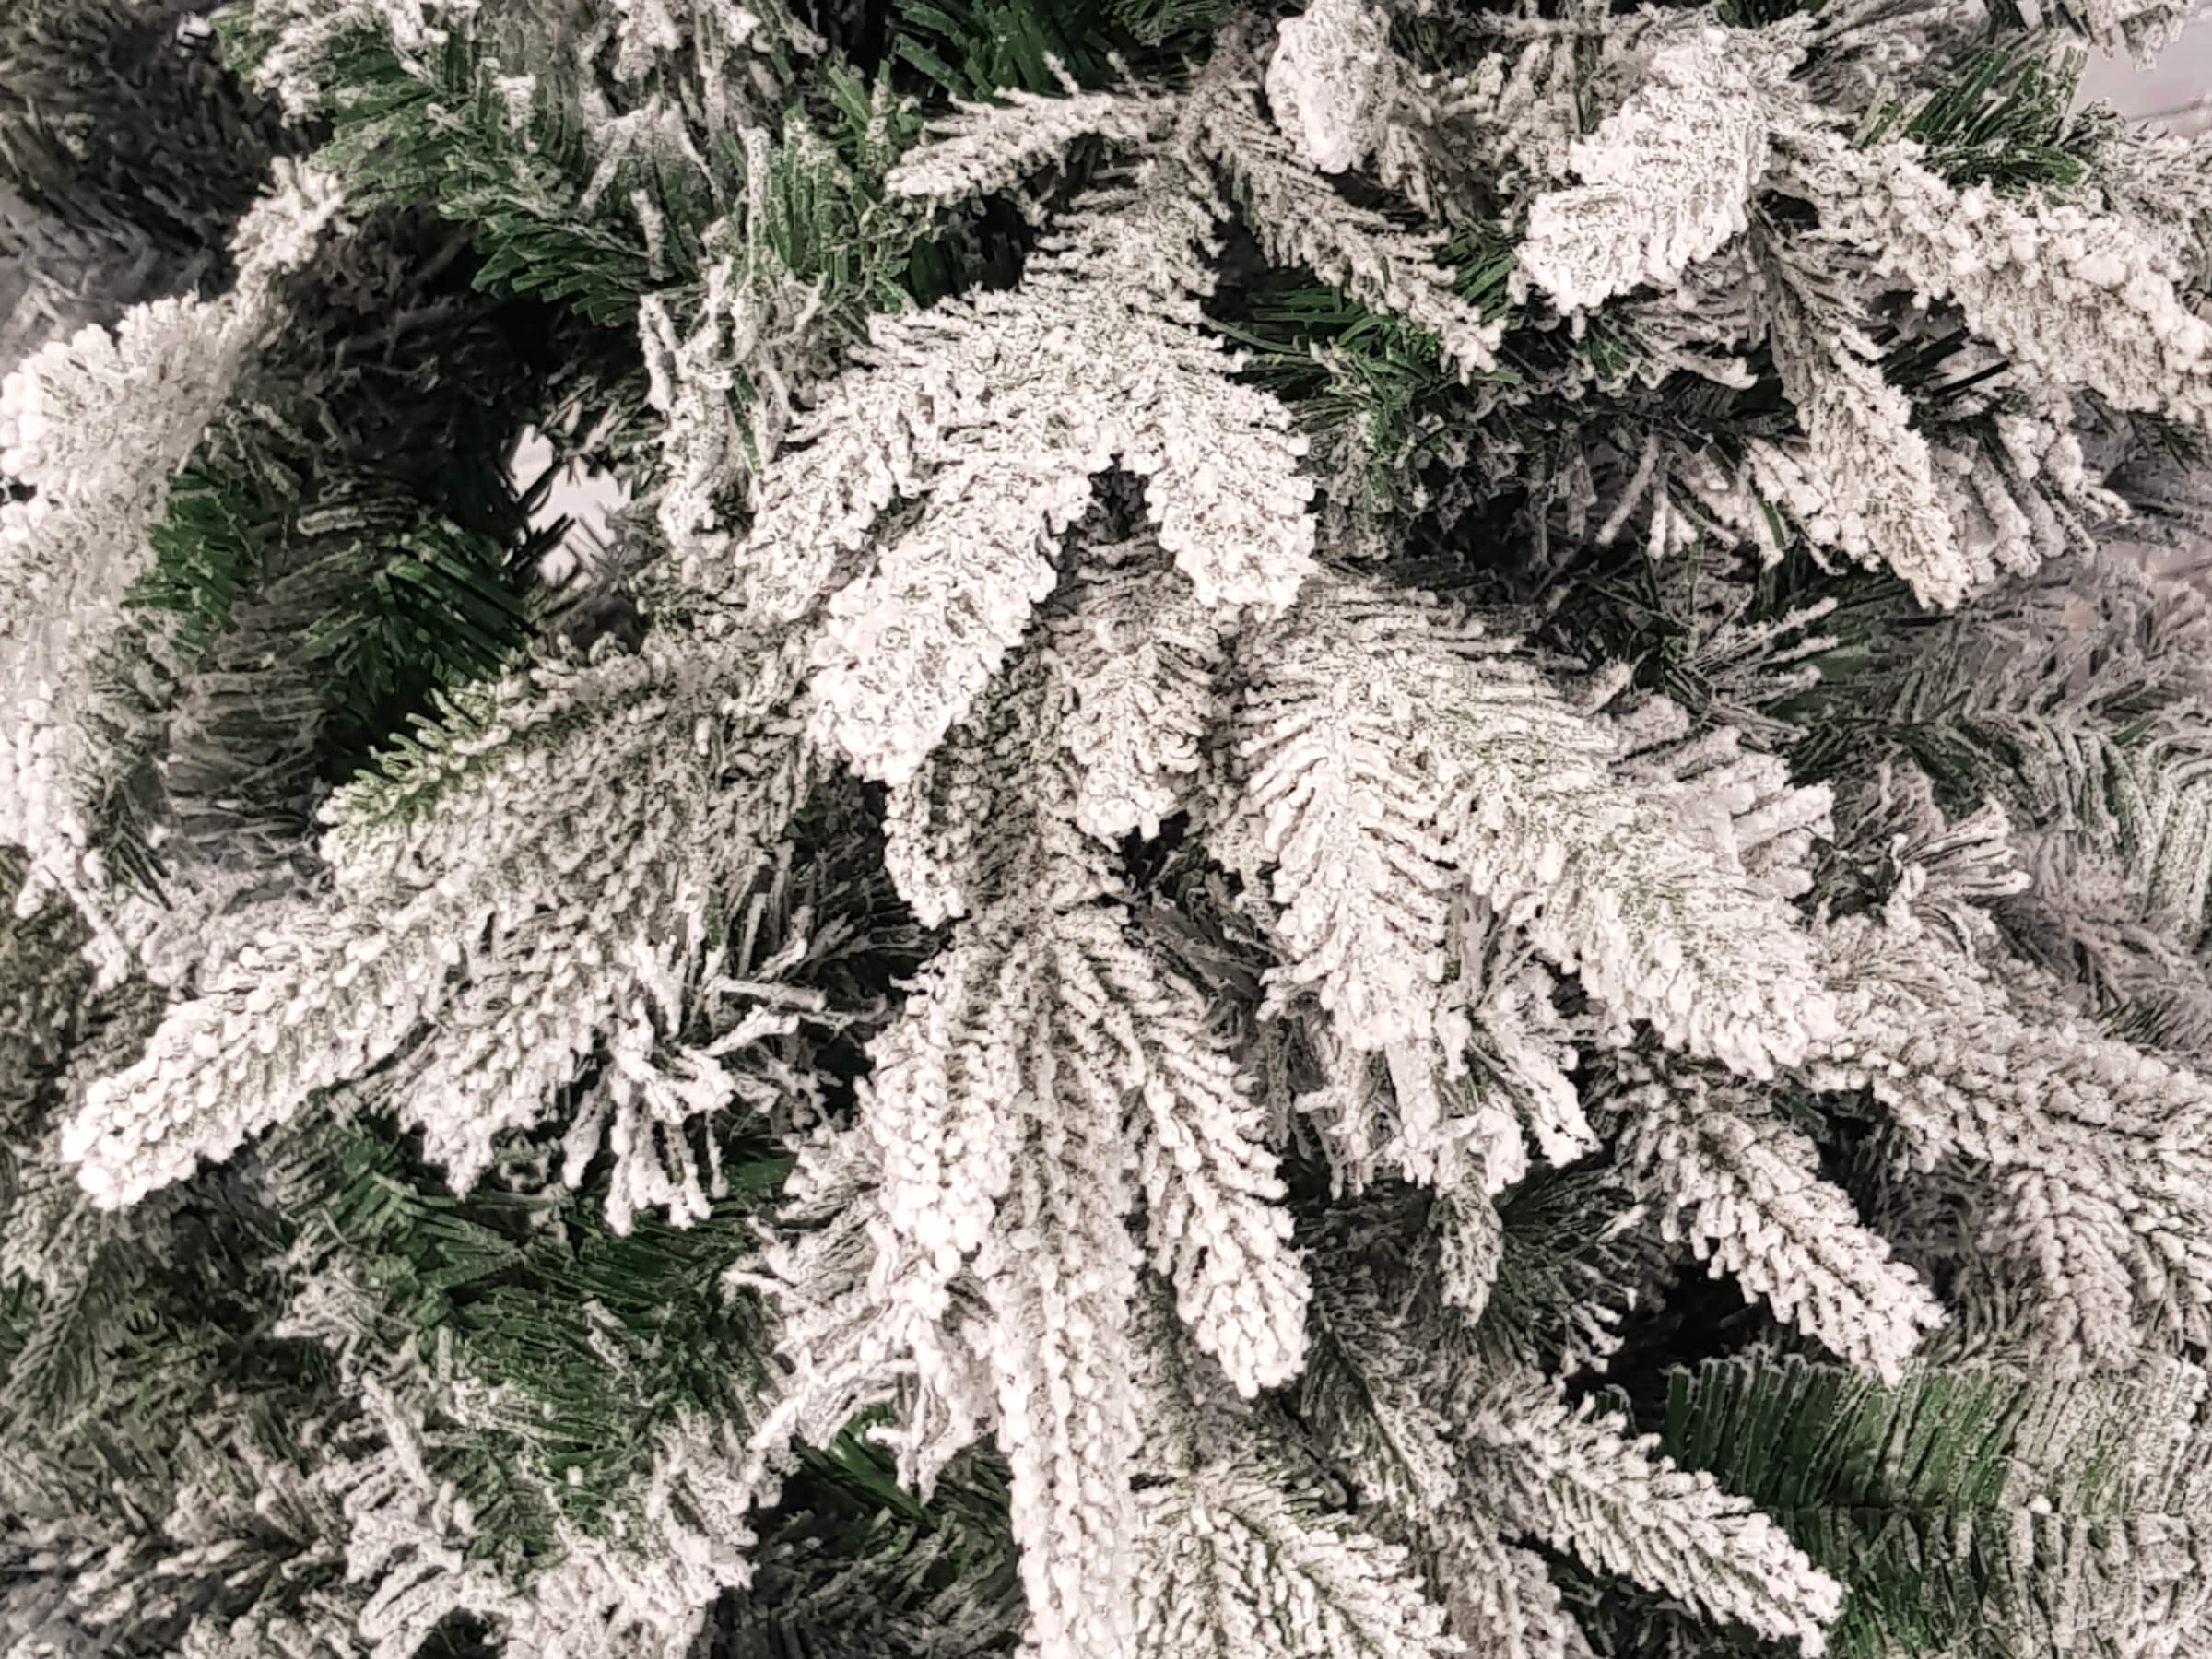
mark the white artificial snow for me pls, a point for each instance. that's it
(1141, 656)
(1497, 915)
(1573, 1479)
(1324, 80)
(95, 427)
(2096, 1150)
(1743, 1187)
(1394, 761)
(1666, 179)
(997, 410)
(527, 852)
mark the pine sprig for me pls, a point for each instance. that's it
(970, 49)
(1937, 1500)
(550, 215)
(588, 1341)
(400, 139)
(2007, 120)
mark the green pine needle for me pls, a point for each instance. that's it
(2008, 121)
(1909, 1494)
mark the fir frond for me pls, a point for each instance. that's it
(1727, 1171)
(1348, 818)
(1667, 178)
(1382, 1393)
(1962, 1502)
(982, 148)
(1494, 787)
(2008, 121)
(2047, 285)
(90, 466)
(1018, 759)
(1231, 1564)
(908, 647)
(1141, 657)
(344, 981)
(1859, 434)
(972, 49)
(2090, 1143)
(1502, 1599)
(1574, 1479)
(1056, 1342)
(1064, 1073)
(1301, 221)
(1376, 1391)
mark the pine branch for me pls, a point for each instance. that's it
(94, 470)
(2008, 122)
(116, 116)
(1496, 795)
(1969, 1510)
(1730, 1174)
(1572, 1478)
(1003, 481)
(1240, 1568)
(503, 1046)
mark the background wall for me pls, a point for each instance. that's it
(2173, 90)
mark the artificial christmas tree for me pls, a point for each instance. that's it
(1370, 841)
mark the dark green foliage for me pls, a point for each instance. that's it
(402, 785)
(1393, 415)
(144, 1360)
(551, 222)
(346, 542)
(1987, 713)
(206, 547)
(55, 277)
(1913, 1495)
(997, 43)
(1758, 14)
(825, 218)
(600, 1337)
(1574, 1258)
(113, 114)
(851, 1563)
(2007, 120)
(1433, 40)
(1404, 438)
(1571, 1246)
(42, 983)
(448, 142)
(548, 223)
(147, 1357)
(1370, 382)
(597, 1339)
(970, 49)
(415, 602)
